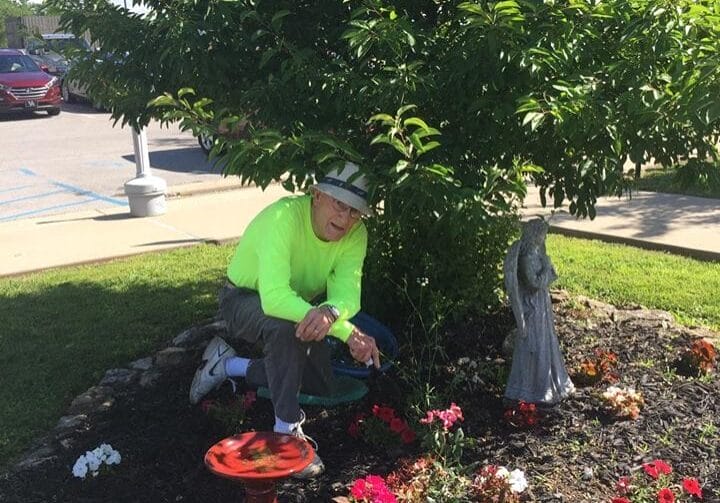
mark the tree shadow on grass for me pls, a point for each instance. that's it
(57, 341)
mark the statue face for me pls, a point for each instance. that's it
(535, 231)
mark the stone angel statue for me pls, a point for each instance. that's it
(538, 373)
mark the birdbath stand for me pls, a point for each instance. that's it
(259, 460)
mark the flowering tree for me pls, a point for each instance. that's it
(447, 105)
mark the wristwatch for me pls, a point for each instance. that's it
(334, 311)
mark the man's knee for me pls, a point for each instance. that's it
(279, 332)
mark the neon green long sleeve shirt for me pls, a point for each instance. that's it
(281, 258)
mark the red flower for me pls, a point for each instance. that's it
(665, 495)
(651, 469)
(655, 468)
(354, 430)
(527, 407)
(249, 399)
(206, 405)
(692, 486)
(663, 467)
(384, 413)
(398, 425)
(620, 500)
(407, 436)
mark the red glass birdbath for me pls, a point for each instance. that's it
(259, 460)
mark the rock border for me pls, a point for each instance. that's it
(140, 374)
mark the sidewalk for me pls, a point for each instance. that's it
(200, 215)
(209, 213)
(669, 222)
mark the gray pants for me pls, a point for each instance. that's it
(289, 365)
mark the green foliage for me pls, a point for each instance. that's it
(696, 178)
(448, 106)
(12, 8)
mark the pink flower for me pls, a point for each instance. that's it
(359, 489)
(620, 500)
(692, 486)
(665, 495)
(372, 489)
(623, 485)
(429, 417)
(457, 411)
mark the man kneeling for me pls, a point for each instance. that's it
(295, 250)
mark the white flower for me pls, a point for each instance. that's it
(80, 468)
(502, 473)
(107, 449)
(113, 458)
(517, 480)
(93, 462)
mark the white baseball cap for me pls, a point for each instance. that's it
(351, 192)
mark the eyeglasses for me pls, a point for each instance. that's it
(341, 207)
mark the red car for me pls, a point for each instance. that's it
(24, 86)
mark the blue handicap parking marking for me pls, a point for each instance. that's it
(47, 209)
(26, 193)
(82, 192)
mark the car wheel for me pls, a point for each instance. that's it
(66, 94)
(53, 111)
(206, 142)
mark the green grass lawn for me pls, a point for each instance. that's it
(60, 330)
(619, 274)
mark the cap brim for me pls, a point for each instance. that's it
(345, 196)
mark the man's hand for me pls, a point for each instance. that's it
(315, 325)
(363, 348)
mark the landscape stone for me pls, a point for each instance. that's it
(171, 357)
(118, 377)
(95, 399)
(142, 363)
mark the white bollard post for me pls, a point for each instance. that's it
(146, 193)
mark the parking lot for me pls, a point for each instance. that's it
(79, 161)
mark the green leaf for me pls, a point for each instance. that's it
(185, 90)
(416, 121)
(429, 146)
(276, 21)
(386, 119)
(404, 109)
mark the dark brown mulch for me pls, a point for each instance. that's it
(575, 454)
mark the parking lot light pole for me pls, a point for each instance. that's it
(146, 193)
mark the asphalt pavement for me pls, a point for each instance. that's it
(219, 211)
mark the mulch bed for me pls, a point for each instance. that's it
(575, 454)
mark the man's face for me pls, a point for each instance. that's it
(332, 219)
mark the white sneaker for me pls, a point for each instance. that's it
(316, 466)
(211, 372)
